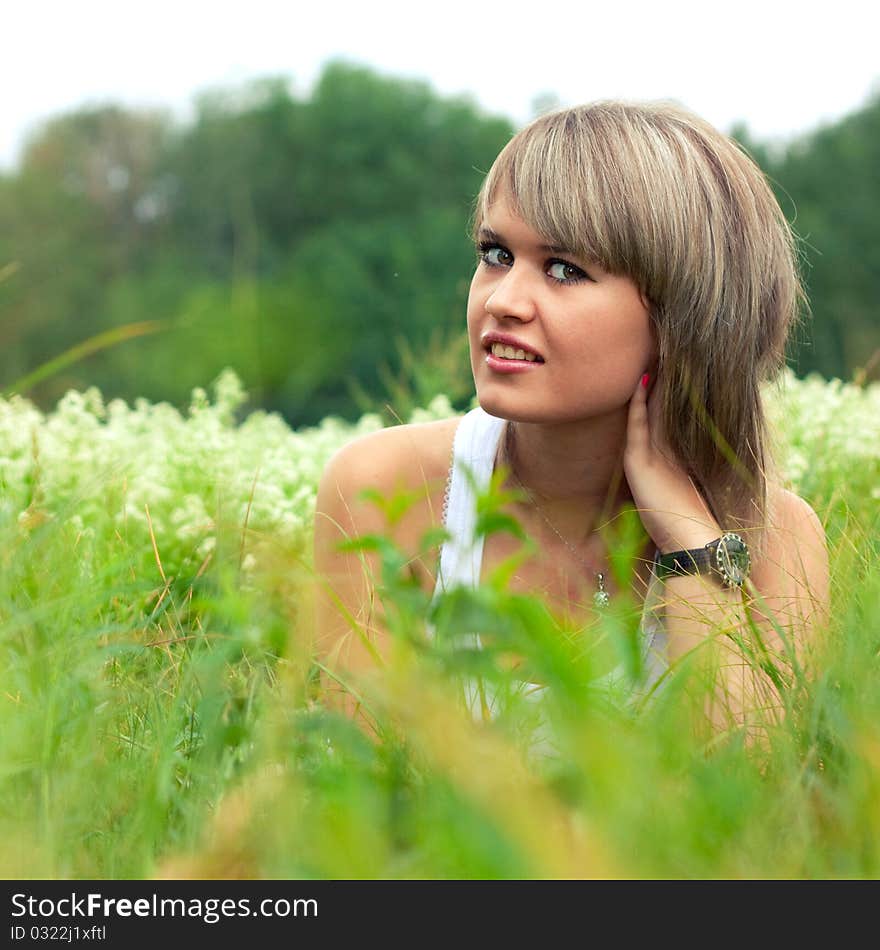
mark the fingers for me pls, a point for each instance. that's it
(638, 427)
(645, 431)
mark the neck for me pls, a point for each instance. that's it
(573, 471)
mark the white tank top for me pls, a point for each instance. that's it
(473, 458)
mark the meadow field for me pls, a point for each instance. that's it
(161, 713)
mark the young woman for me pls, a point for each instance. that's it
(634, 287)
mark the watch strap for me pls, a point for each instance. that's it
(679, 563)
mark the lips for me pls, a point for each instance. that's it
(512, 345)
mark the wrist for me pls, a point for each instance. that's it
(727, 557)
(688, 537)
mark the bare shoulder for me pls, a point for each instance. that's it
(397, 457)
(412, 459)
(792, 520)
(408, 460)
(793, 567)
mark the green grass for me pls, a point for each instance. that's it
(160, 715)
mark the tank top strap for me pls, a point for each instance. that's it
(473, 457)
(474, 449)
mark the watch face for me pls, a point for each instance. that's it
(733, 559)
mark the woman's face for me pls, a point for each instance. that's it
(589, 330)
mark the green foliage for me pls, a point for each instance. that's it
(160, 711)
(828, 185)
(294, 238)
(318, 243)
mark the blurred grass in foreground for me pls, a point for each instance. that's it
(160, 716)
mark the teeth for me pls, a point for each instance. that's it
(509, 353)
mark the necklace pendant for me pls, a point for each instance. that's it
(601, 598)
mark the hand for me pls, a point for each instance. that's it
(672, 510)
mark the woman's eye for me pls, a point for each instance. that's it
(565, 273)
(496, 256)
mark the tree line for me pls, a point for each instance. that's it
(320, 244)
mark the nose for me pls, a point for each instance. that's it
(512, 296)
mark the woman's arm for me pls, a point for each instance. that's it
(351, 639)
(776, 614)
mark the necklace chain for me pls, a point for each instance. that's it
(601, 597)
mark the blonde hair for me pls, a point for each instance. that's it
(651, 191)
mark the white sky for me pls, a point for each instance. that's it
(782, 67)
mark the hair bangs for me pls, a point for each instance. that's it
(570, 196)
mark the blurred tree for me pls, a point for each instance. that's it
(233, 180)
(828, 183)
(385, 148)
(106, 158)
(320, 244)
(82, 212)
(290, 238)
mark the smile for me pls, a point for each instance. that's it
(505, 346)
(509, 353)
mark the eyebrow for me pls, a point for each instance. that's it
(493, 237)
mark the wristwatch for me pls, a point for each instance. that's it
(726, 557)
